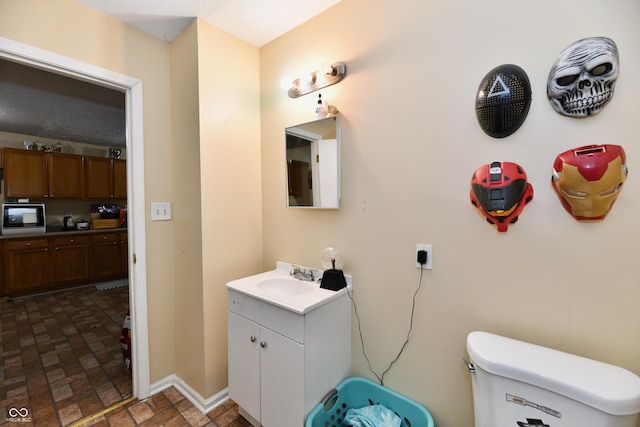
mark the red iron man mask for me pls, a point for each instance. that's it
(588, 179)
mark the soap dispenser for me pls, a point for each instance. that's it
(321, 112)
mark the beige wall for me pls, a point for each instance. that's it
(70, 29)
(410, 144)
(216, 168)
(187, 219)
(230, 193)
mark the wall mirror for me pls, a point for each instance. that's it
(313, 164)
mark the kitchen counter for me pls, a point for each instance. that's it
(58, 231)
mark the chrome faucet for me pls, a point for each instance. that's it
(301, 274)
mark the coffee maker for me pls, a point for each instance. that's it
(68, 223)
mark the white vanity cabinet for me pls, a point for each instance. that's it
(282, 363)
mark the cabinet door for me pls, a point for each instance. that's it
(70, 257)
(106, 256)
(25, 173)
(119, 179)
(3, 279)
(66, 176)
(244, 364)
(282, 381)
(124, 253)
(27, 265)
(99, 177)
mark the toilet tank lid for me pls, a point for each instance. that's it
(605, 387)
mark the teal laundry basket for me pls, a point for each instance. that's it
(358, 392)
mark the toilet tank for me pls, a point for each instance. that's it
(517, 384)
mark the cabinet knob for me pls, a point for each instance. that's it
(28, 243)
(253, 339)
(263, 344)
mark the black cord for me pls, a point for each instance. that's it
(413, 308)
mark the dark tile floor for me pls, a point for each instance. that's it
(61, 364)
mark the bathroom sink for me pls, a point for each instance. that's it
(285, 286)
(279, 288)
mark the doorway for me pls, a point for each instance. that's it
(132, 88)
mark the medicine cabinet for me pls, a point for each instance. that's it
(313, 164)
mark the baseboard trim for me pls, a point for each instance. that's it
(204, 405)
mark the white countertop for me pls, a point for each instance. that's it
(298, 303)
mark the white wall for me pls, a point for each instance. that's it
(410, 144)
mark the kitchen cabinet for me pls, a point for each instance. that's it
(124, 253)
(27, 265)
(39, 175)
(119, 179)
(65, 176)
(25, 173)
(105, 178)
(99, 175)
(282, 363)
(62, 259)
(70, 262)
(106, 256)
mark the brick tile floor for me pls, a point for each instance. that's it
(60, 360)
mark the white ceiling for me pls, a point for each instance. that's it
(255, 21)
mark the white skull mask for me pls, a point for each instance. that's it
(582, 80)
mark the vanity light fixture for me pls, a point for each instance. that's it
(318, 80)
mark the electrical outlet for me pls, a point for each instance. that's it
(160, 211)
(421, 247)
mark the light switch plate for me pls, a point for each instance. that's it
(160, 211)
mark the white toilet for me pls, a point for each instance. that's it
(516, 384)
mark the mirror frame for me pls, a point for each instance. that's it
(305, 131)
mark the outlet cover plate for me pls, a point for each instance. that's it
(427, 265)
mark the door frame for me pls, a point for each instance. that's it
(132, 87)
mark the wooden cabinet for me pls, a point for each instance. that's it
(65, 176)
(70, 259)
(107, 257)
(27, 265)
(45, 263)
(119, 179)
(281, 363)
(124, 253)
(25, 173)
(99, 175)
(40, 175)
(105, 178)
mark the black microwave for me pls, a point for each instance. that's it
(23, 218)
